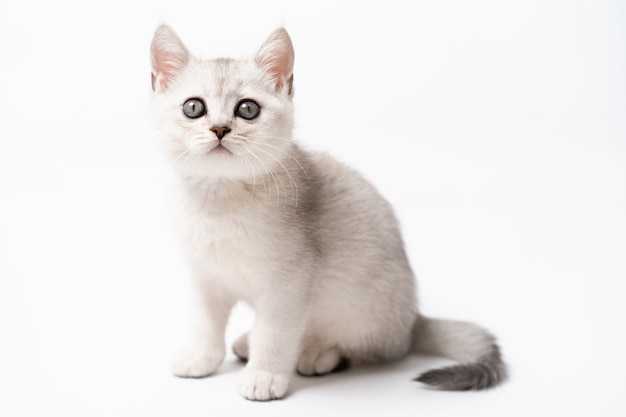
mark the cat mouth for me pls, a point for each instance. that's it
(220, 149)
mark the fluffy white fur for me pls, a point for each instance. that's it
(304, 240)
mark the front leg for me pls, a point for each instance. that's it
(274, 345)
(207, 349)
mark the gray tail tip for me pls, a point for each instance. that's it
(466, 377)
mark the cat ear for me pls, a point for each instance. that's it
(276, 58)
(169, 57)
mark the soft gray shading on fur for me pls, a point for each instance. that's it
(303, 239)
(486, 372)
(481, 365)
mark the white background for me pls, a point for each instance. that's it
(496, 128)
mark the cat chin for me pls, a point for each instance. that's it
(215, 167)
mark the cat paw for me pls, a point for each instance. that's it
(240, 347)
(196, 363)
(258, 385)
(319, 362)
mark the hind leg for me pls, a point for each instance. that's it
(314, 359)
(321, 362)
(240, 347)
(318, 360)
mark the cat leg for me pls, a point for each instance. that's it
(314, 361)
(319, 360)
(273, 349)
(240, 347)
(207, 349)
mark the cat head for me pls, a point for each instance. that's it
(223, 118)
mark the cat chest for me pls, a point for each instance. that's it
(223, 232)
(233, 243)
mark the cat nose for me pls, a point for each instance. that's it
(220, 131)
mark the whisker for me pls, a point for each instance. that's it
(251, 168)
(268, 173)
(287, 154)
(291, 178)
(239, 136)
(183, 153)
(189, 165)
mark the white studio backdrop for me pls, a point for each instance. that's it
(497, 129)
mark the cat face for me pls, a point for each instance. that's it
(223, 118)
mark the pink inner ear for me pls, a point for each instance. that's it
(278, 67)
(276, 58)
(169, 57)
(167, 64)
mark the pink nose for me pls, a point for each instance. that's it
(220, 131)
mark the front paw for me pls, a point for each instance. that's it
(197, 363)
(258, 385)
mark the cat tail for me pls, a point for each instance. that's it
(480, 362)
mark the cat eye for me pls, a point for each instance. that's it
(247, 109)
(194, 108)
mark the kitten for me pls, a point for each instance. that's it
(308, 243)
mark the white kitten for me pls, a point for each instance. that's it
(310, 245)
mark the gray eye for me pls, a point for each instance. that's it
(194, 108)
(247, 109)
